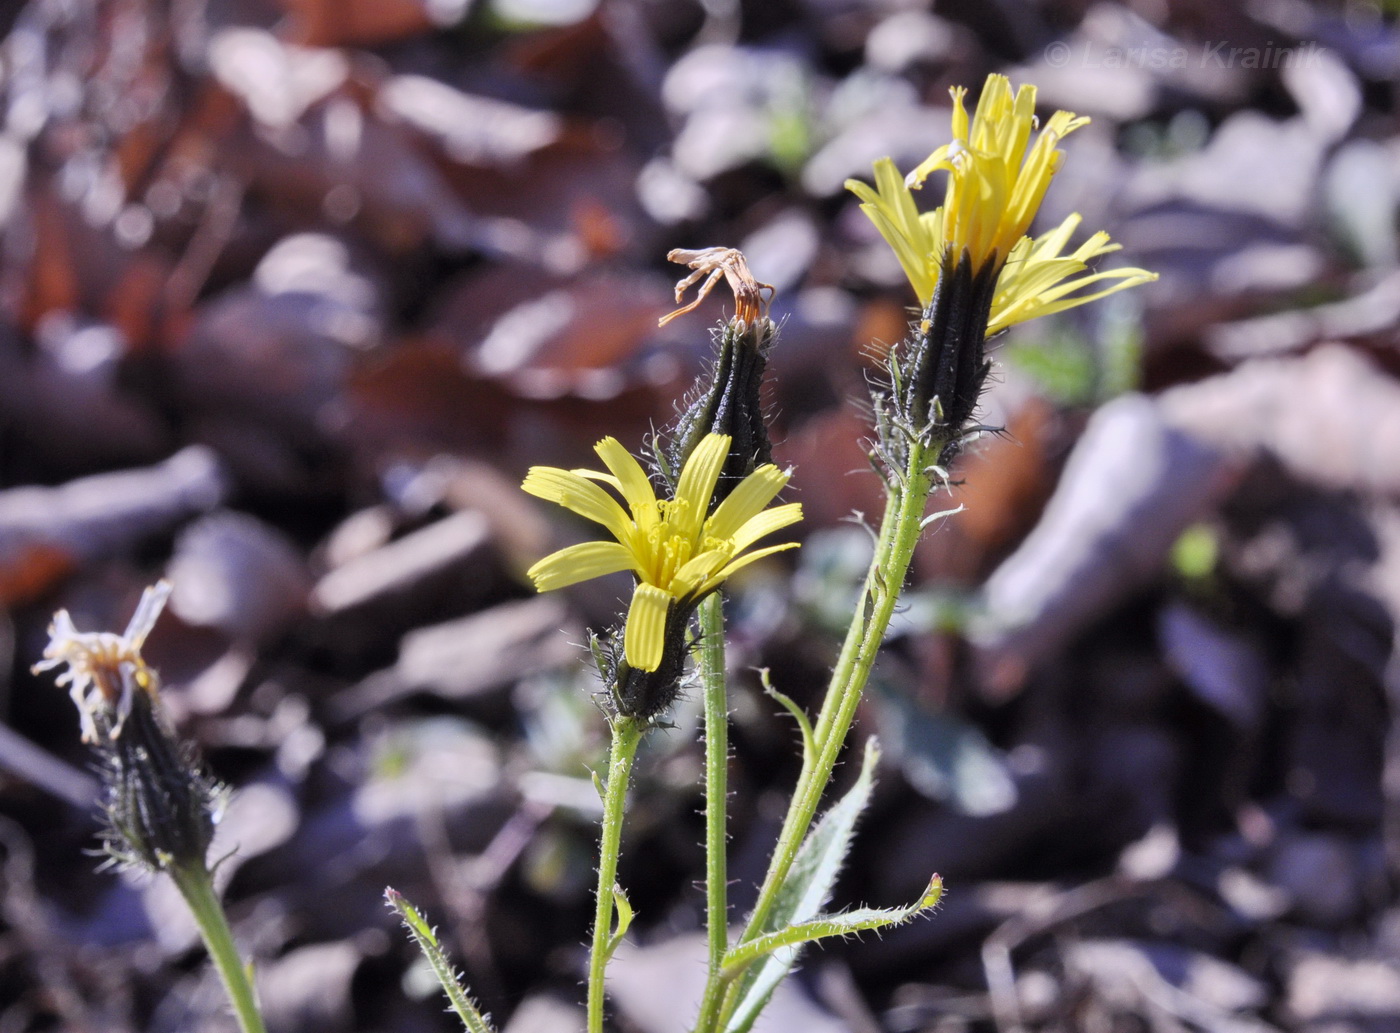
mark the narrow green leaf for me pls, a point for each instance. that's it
(624, 919)
(472, 1019)
(844, 924)
(807, 888)
(809, 746)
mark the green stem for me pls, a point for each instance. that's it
(626, 734)
(197, 887)
(710, 656)
(894, 551)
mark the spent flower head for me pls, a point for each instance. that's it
(709, 264)
(160, 805)
(105, 671)
(727, 398)
(677, 549)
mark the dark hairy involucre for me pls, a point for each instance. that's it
(648, 694)
(159, 804)
(727, 400)
(946, 357)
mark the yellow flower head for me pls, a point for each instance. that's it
(997, 179)
(678, 550)
(104, 670)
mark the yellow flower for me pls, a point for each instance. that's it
(997, 179)
(677, 553)
(110, 664)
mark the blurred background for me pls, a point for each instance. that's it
(292, 292)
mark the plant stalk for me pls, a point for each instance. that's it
(900, 530)
(196, 885)
(626, 734)
(710, 657)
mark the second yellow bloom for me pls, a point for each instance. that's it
(678, 551)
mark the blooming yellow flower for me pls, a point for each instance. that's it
(678, 551)
(997, 179)
(99, 660)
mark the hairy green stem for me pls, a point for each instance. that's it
(899, 533)
(196, 885)
(710, 656)
(626, 734)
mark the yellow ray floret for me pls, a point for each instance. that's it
(997, 179)
(677, 552)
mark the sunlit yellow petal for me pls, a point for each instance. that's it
(939, 161)
(601, 478)
(580, 496)
(645, 637)
(632, 480)
(579, 563)
(1056, 300)
(697, 483)
(743, 561)
(698, 571)
(747, 500)
(766, 523)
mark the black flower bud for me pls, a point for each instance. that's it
(727, 400)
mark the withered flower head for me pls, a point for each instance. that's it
(105, 671)
(160, 806)
(714, 263)
(727, 398)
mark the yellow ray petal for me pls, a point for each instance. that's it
(697, 571)
(742, 562)
(766, 523)
(644, 640)
(632, 480)
(580, 496)
(579, 563)
(747, 500)
(697, 483)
